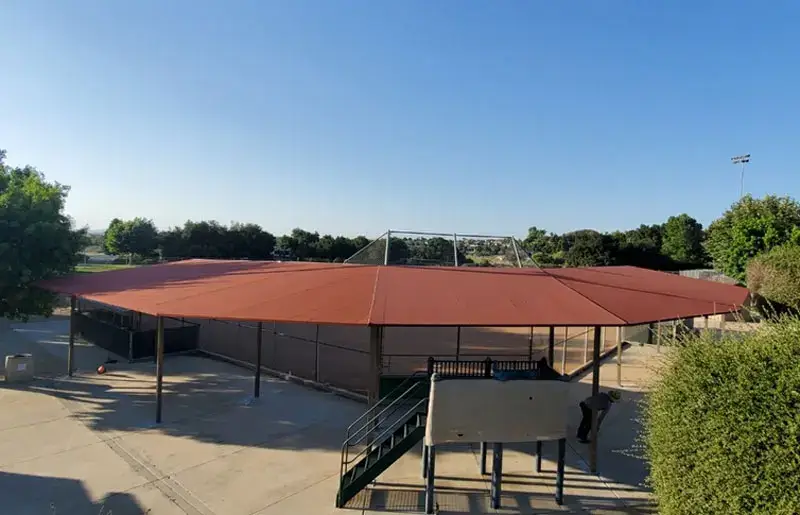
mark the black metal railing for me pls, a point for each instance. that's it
(485, 368)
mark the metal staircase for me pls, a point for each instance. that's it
(379, 437)
(396, 423)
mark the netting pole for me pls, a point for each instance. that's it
(564, 351)
(386, 250)
(595, 390)
(257, 386)
(316, 354)
(455, 248)
(516, 253)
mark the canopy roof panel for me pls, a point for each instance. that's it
(329, 293)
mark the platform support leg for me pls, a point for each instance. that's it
(538, 456)
(430, 475)
(562, 447)
(497, 474)
(424, 461)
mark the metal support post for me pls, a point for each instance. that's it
(483, 458)
(586, 345)
(159, 366)
(375, 363)
(458, 343)
(386, 250)
(620, 338)
(257, 385)
(72, 330)
(595, 391)
(316, 354)
(564, 352)
(530, 346)
(551, 348)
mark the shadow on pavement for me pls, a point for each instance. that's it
(24, 494)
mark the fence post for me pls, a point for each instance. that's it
(430, 366)
(487, 371)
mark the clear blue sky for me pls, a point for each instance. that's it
(357, 116)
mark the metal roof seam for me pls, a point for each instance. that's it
(624, 322)
(630, 289)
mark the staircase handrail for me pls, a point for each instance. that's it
(377, 405)
(401, 420)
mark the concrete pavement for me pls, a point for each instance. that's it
(89, 441)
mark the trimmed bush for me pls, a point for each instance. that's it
(722, 425)
(775, 276)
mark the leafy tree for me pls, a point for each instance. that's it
(37, 240)
(304, 243)
(683, 240)
(721, 424)
(749, 228)
(249, 241)
(588, 248)
(137, 237)
(647, 237)
(172, 244)
(206, 239)
(775, 276)
(285, 247)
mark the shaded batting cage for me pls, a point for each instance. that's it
(364, 328)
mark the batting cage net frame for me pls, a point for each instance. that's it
(422, 248)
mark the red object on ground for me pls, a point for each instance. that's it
(101, 369)
(328, 293)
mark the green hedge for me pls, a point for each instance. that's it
(722, 425)
(775, 276)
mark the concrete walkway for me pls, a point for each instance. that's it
(74, 445)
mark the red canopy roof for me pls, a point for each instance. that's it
(398, 295)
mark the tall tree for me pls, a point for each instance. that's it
(137, 237)
(750, 227)
(588, 248)
(683, 240)
(37, 240)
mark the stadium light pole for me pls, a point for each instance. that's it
(742, 160)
